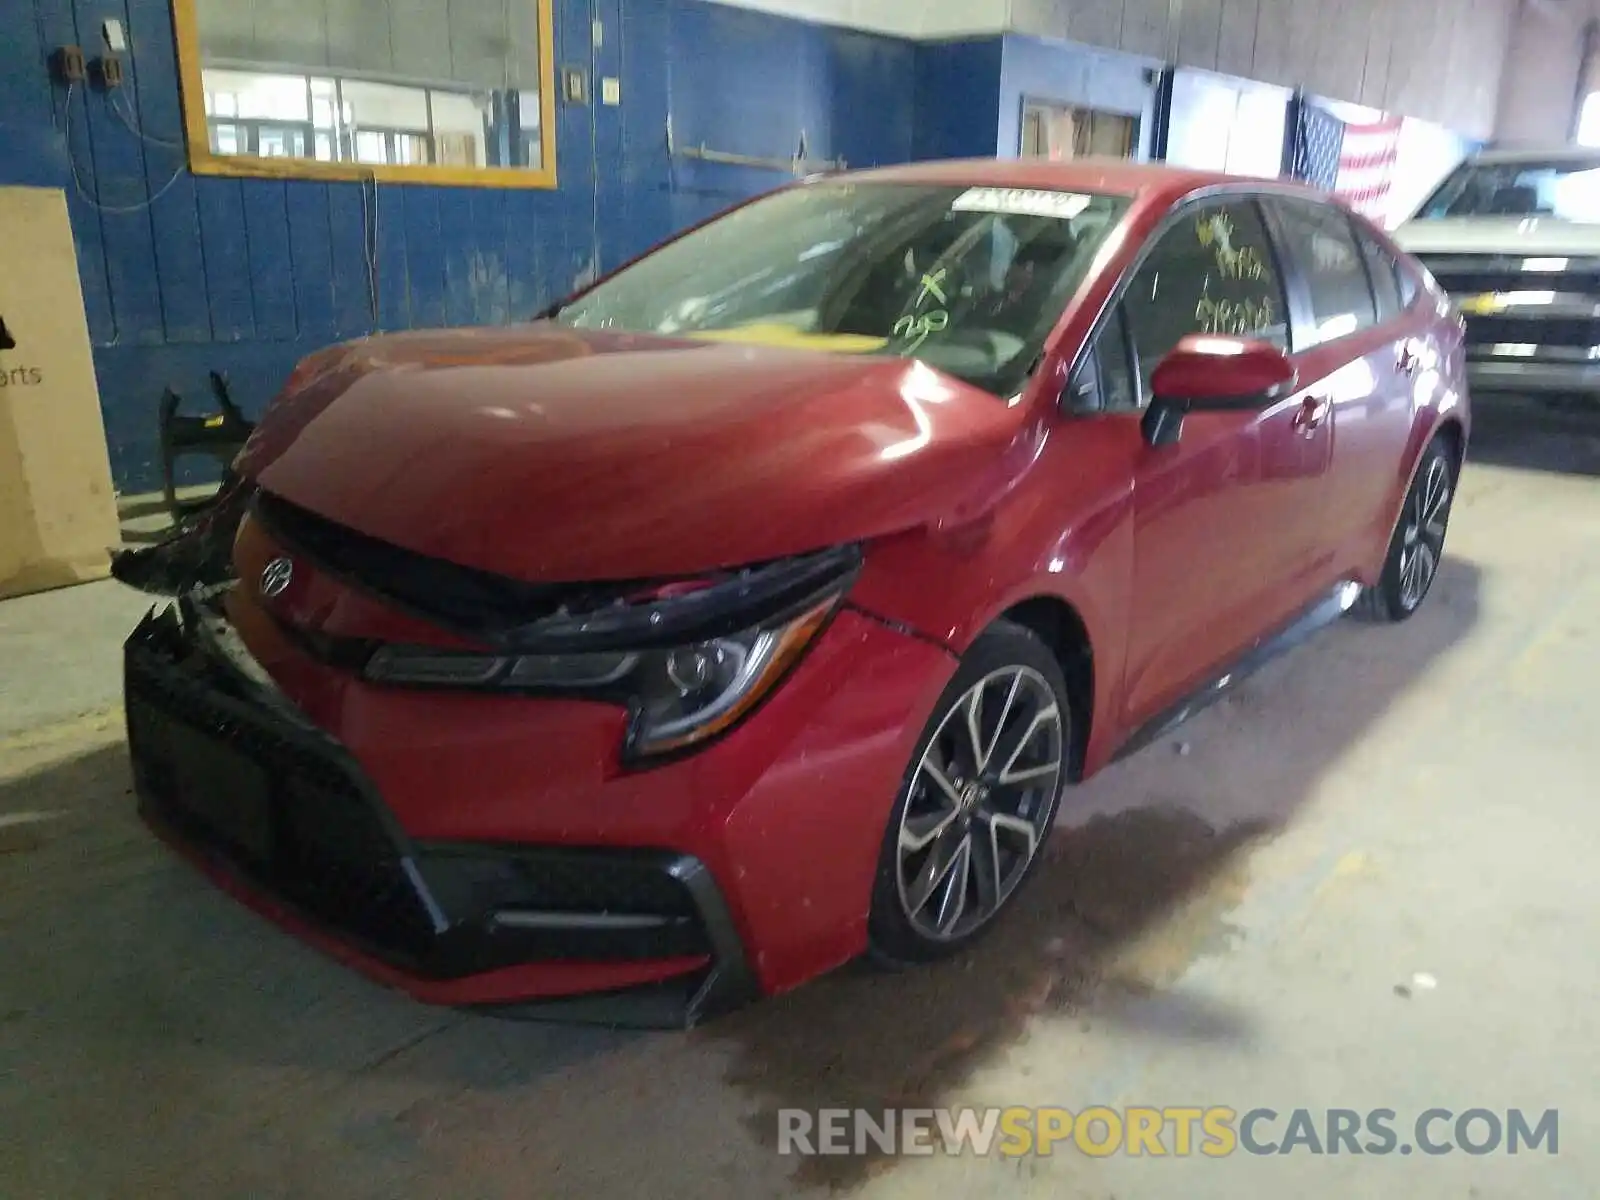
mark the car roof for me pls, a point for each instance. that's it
(1156, 181)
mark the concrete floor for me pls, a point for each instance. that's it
(1230, 918)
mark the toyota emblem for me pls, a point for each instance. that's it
(275, 577)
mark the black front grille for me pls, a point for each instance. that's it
(459, 597)
(330, 852)
(658, 915)
(1540, 331)
(1473, 274)
(557, 880)
(284, 806)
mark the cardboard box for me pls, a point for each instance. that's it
(58, 510)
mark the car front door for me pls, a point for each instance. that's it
(1227, 530)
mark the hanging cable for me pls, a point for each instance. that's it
(125, 115)
(77, 180)
(369, 240)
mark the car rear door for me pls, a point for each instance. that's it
(1357, 354)
(1226, 520)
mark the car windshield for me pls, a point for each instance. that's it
(1567, 191)
(969, 280)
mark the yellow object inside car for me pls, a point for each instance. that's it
(775, 334)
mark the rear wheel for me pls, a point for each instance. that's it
(1417, 546)
(978, 801)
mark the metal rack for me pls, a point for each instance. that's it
(799, 164)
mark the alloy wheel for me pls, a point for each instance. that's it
(980, 802)
(1423, 540)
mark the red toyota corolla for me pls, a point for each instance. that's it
(753, 609)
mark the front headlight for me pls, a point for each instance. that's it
(678, 696)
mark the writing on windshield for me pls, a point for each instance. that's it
(967, 280)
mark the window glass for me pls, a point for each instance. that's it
(1323, 243)
(1408, 286)
(413, 72)
(1212, 272)
(1119, 388)
(1566, 189)
(967, 280)
(1059, 133)
(1105, 381)
(1385, 273)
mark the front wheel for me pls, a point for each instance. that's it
(977, 802)
(1417, 545)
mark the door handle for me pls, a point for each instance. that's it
(1313, 411)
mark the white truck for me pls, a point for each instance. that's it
(1514, 237)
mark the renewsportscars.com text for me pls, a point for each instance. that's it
(1215, 1132)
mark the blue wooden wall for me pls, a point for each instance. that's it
(957, 98)
(246, 276)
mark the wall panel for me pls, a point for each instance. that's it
(1438, 60)
(1540, 86)
(245, 276)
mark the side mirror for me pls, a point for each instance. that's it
(1206, 372)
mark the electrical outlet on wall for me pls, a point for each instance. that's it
(68, 64)
(108, 72)
(575, 85)
(610, 90)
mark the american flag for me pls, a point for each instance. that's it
(1353, 161)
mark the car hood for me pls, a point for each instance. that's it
(549, 454)
(1498, 235)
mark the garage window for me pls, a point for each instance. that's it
(426, 91)
(1060, 133)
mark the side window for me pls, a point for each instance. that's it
(1322, 242)
(1212, 272)
(1408, 284)
(1116, 363)
(1105, 380)
(1385, 274)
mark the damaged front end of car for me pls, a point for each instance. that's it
(285, 816)
(282, 816)
(197, 553)
(687, 658)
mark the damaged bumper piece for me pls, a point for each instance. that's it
(280, 815)
(198, 553)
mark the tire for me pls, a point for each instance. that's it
(1417, 545)
(973, 813)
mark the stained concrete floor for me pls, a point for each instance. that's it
(1236, 916)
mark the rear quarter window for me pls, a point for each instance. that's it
(1409, 285)
(1385, 272)
(1322, 242)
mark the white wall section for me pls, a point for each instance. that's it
(1543, 65)
(1438, 60)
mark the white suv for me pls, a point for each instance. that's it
(1514, 237)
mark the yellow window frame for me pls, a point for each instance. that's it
(203, 161)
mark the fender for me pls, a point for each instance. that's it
(1430, 424)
